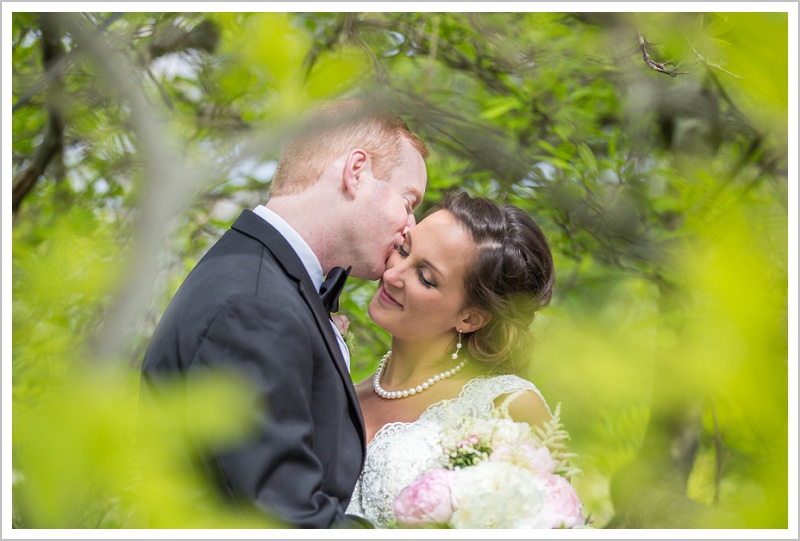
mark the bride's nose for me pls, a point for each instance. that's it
(393, 273)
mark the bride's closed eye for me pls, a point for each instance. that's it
(425, 282)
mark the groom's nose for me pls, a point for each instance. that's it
(409, 225)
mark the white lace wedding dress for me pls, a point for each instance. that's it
(400, 452)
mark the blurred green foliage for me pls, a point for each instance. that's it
(665, 200)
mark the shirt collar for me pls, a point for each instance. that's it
(300, 246)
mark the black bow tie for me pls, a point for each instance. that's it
(332, 287)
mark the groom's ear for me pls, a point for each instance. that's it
(356, 166)
(473, 319)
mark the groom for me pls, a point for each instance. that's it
(343, 195)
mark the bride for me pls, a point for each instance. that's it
(457, 297)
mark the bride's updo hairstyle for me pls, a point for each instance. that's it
(511, 276)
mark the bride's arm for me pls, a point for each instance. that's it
(525, 407)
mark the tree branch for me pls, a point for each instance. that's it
(656, 66)
(57, 67)
(704, 60)
(53, 142)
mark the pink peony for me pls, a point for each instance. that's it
(562, 508)
(426, 501)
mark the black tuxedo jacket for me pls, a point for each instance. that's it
(250, 305)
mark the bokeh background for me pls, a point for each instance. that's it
(652, 148)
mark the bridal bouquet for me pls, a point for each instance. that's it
(495, 473)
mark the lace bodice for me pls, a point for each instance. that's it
(400, 452)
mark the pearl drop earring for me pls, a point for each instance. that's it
(458, 346)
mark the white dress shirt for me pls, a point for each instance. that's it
(307, 257)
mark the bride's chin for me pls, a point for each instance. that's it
(374, 309)
(375, 312)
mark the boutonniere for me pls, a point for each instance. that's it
(343, 325)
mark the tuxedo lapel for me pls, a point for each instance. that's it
(252, 225)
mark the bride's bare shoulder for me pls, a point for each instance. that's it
(525, 406)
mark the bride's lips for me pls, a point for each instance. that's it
(386, 298)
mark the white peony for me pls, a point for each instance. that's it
(496, 495)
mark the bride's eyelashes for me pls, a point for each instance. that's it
(422, 279)
(425, 282)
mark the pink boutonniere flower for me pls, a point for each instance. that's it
(342, 324)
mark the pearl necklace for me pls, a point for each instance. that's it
(376, 380)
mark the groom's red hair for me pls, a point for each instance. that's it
(334, 128)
